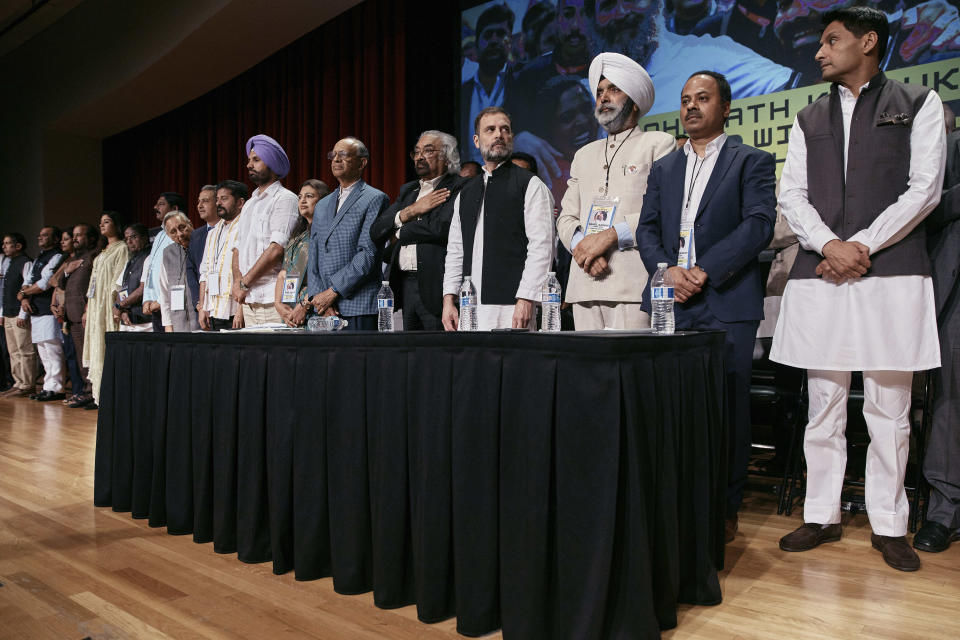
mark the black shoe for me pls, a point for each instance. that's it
(38, 395)
(81, 402)
(934, 537)
(896, 552)
(92, 406)
(47, 396)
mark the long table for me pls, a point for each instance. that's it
(554, 486)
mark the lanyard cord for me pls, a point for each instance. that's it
(607, 163)
(693, 183)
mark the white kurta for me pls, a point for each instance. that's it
(871, 323)
(538, 221)
(44, 328)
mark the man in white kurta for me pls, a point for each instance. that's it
(607, 277)
(44, 328)
(494, 138)
(850, 318)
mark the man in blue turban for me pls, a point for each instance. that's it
(265, 224)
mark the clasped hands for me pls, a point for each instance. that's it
(843, 261)
(591, 252)
(687, 282)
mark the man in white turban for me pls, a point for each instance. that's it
(601, 208)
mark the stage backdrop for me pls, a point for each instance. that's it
(378, 71)
(532, 58)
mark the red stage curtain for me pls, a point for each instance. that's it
(347, 77)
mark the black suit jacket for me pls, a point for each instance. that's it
(429, 233)
(943, 230)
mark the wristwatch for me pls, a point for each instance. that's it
(243, 287)
(305, 303)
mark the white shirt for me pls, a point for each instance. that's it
(216, 269)
(873, 323)
(538, 221)
(695, 182)
(344, 194)
(268, 217)
(43, 328)
(408, 253)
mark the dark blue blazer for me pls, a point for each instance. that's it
(342, 254)
(198, 240)
(734, 224)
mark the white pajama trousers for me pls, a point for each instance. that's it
(886, 410)
(51, 355)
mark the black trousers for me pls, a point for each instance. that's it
(738, 366)
(216, 324)
(416, 316)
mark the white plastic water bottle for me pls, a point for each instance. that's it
(661, 300)
(468, 306)
(550, 292)
(385, 307)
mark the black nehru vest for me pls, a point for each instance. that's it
(878, 168)
(504, 230)
(41, 301)
(12, 283)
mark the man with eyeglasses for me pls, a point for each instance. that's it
(342, 269)
(415, 227)
(268, 219)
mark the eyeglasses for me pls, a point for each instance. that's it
(343, 155)
(426, 152)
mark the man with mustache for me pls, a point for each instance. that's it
(864, 167)
(708, 212)
(175, 294)
(217, 308)
(607, 278)
(207, 210)
(416, 226)
(269, 217)
(486, 89)
(501, 234)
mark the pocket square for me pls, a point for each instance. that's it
(887, 120)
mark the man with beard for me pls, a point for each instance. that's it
(609, 176)
(167, 202)
(217, 308)
(708, 212)
(501, 234)
(486, 88)
(920, 34)
(269, 217)
(35, 299)
(23, 357)
(416, 226)
(864, 167)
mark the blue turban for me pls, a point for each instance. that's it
(270, 152)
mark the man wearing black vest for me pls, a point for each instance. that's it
(863, 169)
(23, 357)
(414, 230)
(35, 299)
(501, 234)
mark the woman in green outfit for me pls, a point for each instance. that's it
(291, 288)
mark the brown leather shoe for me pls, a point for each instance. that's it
(896, 552)
(26, 393)
(730, 528)
(809, 536)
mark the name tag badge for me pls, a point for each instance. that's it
(213, 285)
(291, 284)
(92, 291)
(602, 213)
(684, 257)
(123, 294)
(177, 298)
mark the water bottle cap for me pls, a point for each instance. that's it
(384, 282)
(661, 265)
(465, 278)
(551, 273)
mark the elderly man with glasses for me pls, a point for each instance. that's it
(342, 269)
(414, 230)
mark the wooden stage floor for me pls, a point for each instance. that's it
(71, 571)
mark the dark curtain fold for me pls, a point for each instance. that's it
(349, 76)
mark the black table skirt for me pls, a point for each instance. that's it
(557, 486)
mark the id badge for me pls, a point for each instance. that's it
(684, 256)
(213, 285)
(291, 285)
(92, 291)
(602, 212)
(177, 298)
(123, 294)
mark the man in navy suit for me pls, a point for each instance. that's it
(718, 196)
(343, 274)
(414, 230)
